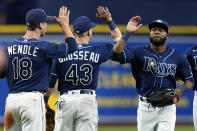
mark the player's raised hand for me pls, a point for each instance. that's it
(133, 24)
(104, 14)
(63, 18)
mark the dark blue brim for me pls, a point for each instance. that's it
(49, 18)
(93, 25)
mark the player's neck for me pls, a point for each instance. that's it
(158, 49)
(82, 40)
(31, 34)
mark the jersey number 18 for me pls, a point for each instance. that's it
(22, 68)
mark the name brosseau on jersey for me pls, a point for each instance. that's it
(82, 55)
(22, 49)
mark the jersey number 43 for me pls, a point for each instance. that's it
(73, 74)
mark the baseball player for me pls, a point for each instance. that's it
(78, 76)
(154, 68)
(191, 55)
(29, 60)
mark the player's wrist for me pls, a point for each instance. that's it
(126, 36)
(111, 24)
(183, 87)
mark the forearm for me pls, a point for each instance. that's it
(186, 86)
(115, 32)
(67, 32)
(119, 46)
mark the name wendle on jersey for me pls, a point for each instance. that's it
(159, 69)
(81, 55)
(22, 49)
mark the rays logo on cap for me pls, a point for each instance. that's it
(159, 21)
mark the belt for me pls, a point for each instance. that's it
(36, 91)
(144, 99)
(77, 92)
(42, 92)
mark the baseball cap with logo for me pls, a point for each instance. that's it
(82, 24)
(159, 23)
(37, 16)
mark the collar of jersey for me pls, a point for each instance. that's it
(27, 40)
(166, 52)
(80, 46)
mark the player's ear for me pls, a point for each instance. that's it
(167, 36)
(40, 25)
(89, 33)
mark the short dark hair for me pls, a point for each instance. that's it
(32, 28)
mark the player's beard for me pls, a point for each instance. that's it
(160, 42)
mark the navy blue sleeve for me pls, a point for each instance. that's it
(72, 45)
(60, 50)
(53, 74)
(184, 70)
(188, 55)
(125, 57)
(104, 51)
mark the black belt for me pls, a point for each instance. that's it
(86, 92)
(36, 91)
(82, 91)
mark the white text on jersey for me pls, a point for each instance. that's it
(22, 49)
(82, 55)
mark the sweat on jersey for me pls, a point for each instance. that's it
(191, 55)
(79, 70)
(29, 62)
(154, 71)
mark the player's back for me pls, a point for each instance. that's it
(80, 70)
(28, 65)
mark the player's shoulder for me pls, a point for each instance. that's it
(137, 48)
(174, 51)
(4, 43)
(192, 49)
(45, 44)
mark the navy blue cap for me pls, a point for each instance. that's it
(37, 16)
(159, 23)
(82, 24)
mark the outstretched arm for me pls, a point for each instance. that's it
(104, 14)
(63, 21)
(132, 27)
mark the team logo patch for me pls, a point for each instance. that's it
(159, 69)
